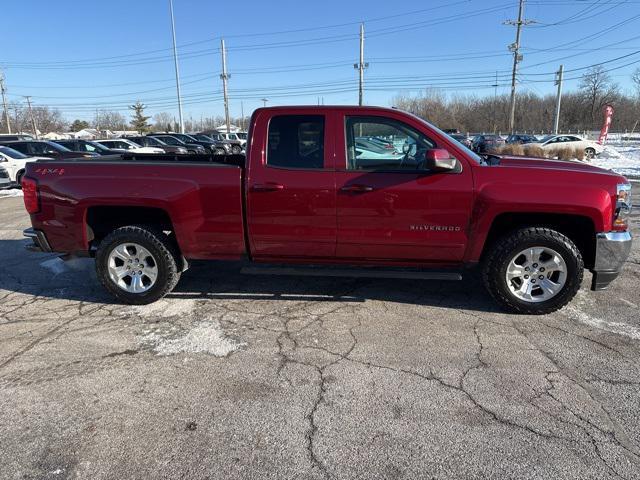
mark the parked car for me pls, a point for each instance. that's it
(234, 145)
(10, 137)
(207, 144)
(216, 146)
(79, 145)
(171, 139)
(462, 138)
(306, 203)
(43, 148)
(591, 148)
(146, 141)
(126, 145)
(233, 137)
(486, 143)
(14, 162)
(521, 139)
(5, 180)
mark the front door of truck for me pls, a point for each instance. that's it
(389, 206)
(291, 200)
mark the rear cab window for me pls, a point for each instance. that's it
(296, 142)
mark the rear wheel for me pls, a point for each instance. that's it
(137, 264)
(236, 149)
(589, 153)
(533, 271)
(219, 151)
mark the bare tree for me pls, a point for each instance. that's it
(161, 120)
(597, 89)
(109, 120)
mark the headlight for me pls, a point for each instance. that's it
(623, 207)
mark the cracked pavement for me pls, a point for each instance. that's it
(238, 376)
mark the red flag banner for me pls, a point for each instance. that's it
(608, 116)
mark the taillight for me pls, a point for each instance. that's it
(30, 195)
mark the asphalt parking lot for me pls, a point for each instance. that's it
(263, 377)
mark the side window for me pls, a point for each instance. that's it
(21, 147)
(296, 141)
(38, 148)
(378, 143)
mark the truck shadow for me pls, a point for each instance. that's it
(48, 277)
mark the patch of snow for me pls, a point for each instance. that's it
(207, 337)
(11, 192)
(54, 265)
(622, 157)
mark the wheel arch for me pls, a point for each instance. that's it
(578, 228)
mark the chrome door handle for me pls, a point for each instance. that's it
(267, 187)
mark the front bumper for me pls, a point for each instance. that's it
(612, 250)
(40, 242)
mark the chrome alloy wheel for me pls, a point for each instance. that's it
(132, 268)
(536, 274)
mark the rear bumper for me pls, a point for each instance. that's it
(612, 250)
(40, 242)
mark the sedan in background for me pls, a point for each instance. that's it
(41, 148)
(14, 162)
(125, 145)
(551, 142)
(521, 139)
(486, 143)
(5, 181)
(145, 141)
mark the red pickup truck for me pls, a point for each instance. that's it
(342, 191)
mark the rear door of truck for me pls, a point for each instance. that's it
(291, 197)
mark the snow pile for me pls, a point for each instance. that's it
(11, 192)
(622, 157)
(207, 337)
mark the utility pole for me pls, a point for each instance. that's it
(242, 115)
(175, 61)
(4, 102)
(360, 67)
(556, 118)
(495, 103)
(33, 120)
(264, 102)
(517, 58)
(224, 76)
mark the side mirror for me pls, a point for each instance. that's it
(440, 160)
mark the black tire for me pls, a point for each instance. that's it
(589, 153)
(502, 252)
(19, 176)
(236, 149)
(219, 151)
(158, 244)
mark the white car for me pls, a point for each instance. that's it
(5, 181)
(591, 148)
(236, 137)
(14, 162)
(128, 146)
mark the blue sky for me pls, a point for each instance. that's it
(79, 56)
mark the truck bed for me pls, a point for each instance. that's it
(201, 195)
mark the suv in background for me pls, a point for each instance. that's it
(521, 139)
(10, 137)
(78, 145)
(218, 147)
(145, 141)
(43, 148)
(234, 145)
(486, 143)
(172, 139)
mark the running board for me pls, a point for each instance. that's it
(355, 272)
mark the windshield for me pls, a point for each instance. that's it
(56, 147)
(171, 141)
(10, 152)
(98, 147)
(155, 141)
(202, 138)
(183, 137)
(547, 138)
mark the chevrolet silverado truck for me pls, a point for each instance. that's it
(312, 197)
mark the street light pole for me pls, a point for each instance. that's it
(175, 61)
(224, 76)
(33, 120)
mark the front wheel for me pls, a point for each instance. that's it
(533, 271)
(137, 264)
(236, 149)
(19, 176)
(219, 151)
